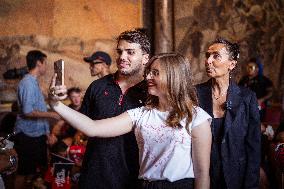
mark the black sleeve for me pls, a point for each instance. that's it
(242, 81)
(253, 146)
(87, 101)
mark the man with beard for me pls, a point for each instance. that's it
(112, 163)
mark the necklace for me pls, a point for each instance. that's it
(218, 97)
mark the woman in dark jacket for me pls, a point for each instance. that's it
(235, 153)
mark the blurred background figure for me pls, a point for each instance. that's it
(263, 88)
(61, 130)
(75, 97)
(62, 133)
(99, 64)
(257, 82)
(32, 126)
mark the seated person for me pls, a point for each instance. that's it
(59, 154)
(62, 130)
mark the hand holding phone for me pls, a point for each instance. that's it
(59, 70)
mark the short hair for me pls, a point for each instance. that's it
(232, 48)
(58, 147)
(34, 56)
(73, 90)
(136, 36)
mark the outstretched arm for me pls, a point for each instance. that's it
(201, 148)
(101, 128)
(110, 127)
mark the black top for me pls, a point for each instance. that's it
(218, 129)
(258, 84)
(218, 134)
(111, 163)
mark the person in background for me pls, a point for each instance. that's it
(58, 154)
(62, 130)
(172, 132)
(263, 88)
(257, 82)
(235, 153)
(75, 140)
(32, 126)
(99, 64)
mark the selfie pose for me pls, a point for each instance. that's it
(113, 163)
(172, 132)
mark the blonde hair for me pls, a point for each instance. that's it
(177, 81)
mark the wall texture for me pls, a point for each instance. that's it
(72, 29)
(258, 26)
(67, 29)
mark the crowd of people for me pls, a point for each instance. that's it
(146, 125)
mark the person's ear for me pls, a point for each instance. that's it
(145, 59)
(233, 64)
(38, 63)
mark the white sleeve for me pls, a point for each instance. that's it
(200, 116)
(135, 114)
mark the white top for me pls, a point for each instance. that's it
(164, 152)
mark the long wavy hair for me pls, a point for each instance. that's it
(176, 80)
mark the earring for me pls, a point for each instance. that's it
(230, 73)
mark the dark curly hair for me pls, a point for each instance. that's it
(232, 48)
(136, 36)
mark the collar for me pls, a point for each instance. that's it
(233, 97)
(112, 78)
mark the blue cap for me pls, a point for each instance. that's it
(99, 55)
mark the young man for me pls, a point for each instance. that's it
(62, 130)
(75, 97)
(99, 64)
(112, 163)
(258, 83)
(32, 125)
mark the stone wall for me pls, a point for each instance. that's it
(63, 29)
(72, 29)
(258, 26)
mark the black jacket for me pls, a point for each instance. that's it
(240, 147)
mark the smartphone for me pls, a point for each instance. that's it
(59, 70)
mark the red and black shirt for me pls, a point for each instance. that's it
(111, 162)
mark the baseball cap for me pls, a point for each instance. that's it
(103, 56)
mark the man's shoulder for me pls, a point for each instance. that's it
(243, 80)
(266, 80)
(99, 85)
(27, 81)
(142, 85)
(103, 81)
(26, 78)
